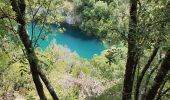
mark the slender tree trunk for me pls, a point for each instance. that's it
(19, 7)
(132, 56)
(159, 79)
(146, 83)
(48, 85)
(33, 62)
(139, 80)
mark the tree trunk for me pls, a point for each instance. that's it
(32, 61)
(159, 79)
(48, 85)
(19, 8)
(132, 56)
(139, 80)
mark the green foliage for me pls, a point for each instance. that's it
(4, 59)
(71, 94)
(78, 69)
(106, 70)
(111, 93)
(106, 19)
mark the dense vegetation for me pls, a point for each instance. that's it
(135, 65)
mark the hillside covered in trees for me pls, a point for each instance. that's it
(84, 49)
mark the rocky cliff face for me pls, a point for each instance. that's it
(66, 10)
(72, 19)
(69, 16)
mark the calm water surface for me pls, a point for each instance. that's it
(74, 39)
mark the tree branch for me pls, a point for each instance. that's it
(36, 41)
(148, 78)
(19, 8)
(151, 58)
(160, 77)
(163, 93)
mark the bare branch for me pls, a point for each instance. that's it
(33, 19)
(36, 41)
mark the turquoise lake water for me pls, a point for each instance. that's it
(74, 39)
